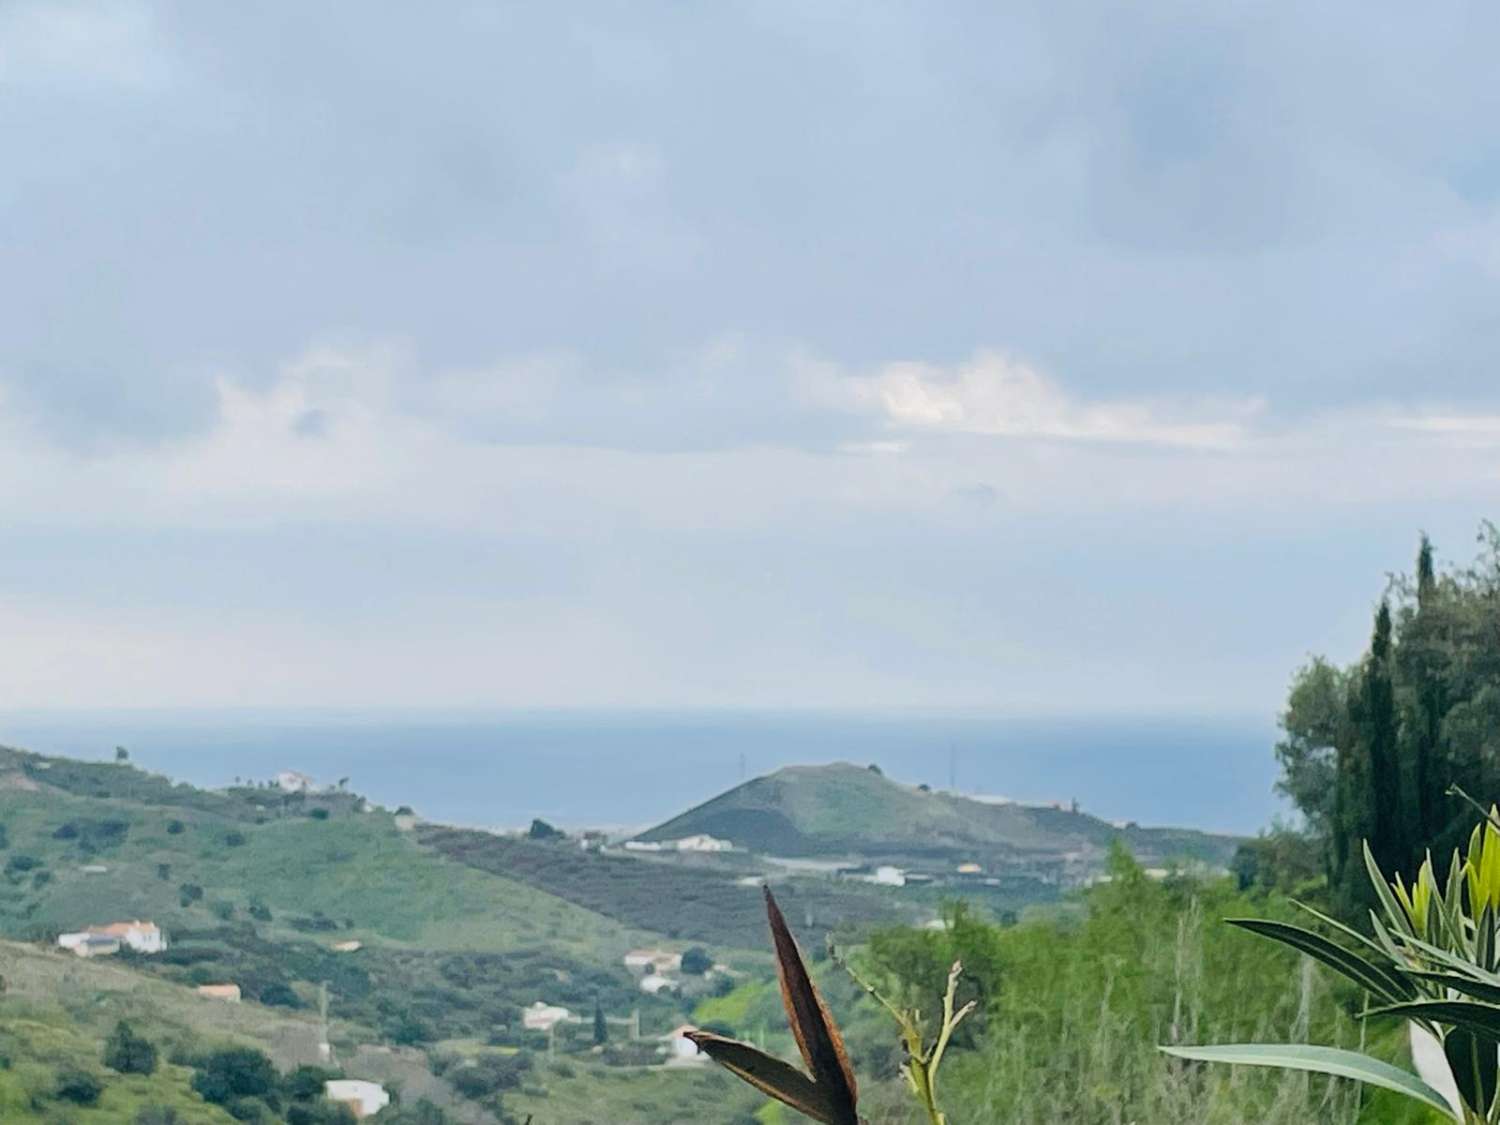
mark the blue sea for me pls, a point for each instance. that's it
(577, 768)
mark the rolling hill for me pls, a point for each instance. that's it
(848, 810)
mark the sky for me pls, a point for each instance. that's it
(1024, 358)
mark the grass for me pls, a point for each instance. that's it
(582, 1092)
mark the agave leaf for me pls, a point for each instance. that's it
(1473, 1059)
(771, 1076)
(1478, 989)
(1467, 1014)
(1395, 915)
(1373, 978)
(1349, 931)
(1453, 961)
(1321, 1060)
(817, 1035)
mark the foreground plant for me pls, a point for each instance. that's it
(1432, 960)
(827, 1092)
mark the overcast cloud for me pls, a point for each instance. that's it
(841, 354)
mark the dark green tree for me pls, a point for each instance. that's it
(129, 1053)
(601, 1026)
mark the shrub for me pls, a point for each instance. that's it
(189, 893)
(259, 910)
(77, 1086)
(175, 827)
(696, 961)
(129, 1053)
(222, 909)
(234, 1073)
(234, 839)
(306, 1082)
(318, 814)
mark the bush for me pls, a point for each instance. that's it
(128, 1053)
(18, 864)
(318, 814)
(696, 961)
(234, 1073)
(234, 839)
(489, 1074)
(541, 830)
(222, 909)
(279, 995)
(77, 1086)
(189, 893)
(259, 910)
(306, 1082)
(175, 827)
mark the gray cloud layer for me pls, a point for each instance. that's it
(652, 296)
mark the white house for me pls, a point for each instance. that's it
(294, 782)
(143, 937)
(86, 943)
(97, 941)
(366, 1099)
(653, 961)
(681, 1050)
(701, 843)
(653, 983)
(543, 1017)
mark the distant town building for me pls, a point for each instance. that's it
(701, 843)
(653, 961)
(99, 941)
(293, 782)
(592, 840)
(365, 1099)
(94, 869)
(226, 992)
(86, 943)
(643, 846)
(653, 983)
(405, 822)
(543, 1017)
(679, 1049)
(970, 869)
(143, 937)
(347, 946)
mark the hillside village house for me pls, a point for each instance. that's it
(653, 961)
(680, 1050)
(86, 944)
(293, 782)
(543, 1017)
(97, 941)
(652, 983)
(701, 843)
(365, 1099)
(227, 992)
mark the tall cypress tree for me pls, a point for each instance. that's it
(1370, 793)
(1421, 658)
(1379, 731)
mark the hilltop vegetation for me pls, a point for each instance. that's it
(843, 809)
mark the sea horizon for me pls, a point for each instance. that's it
(629, 768)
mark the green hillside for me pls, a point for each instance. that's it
(843, 809)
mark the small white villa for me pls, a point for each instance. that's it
(543, 1017)
(365, 1099)
(653, 983)
(653, 961)
(97, 941)
(681, 1050)
(293, 782)
(86, 944)
(701, 843)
